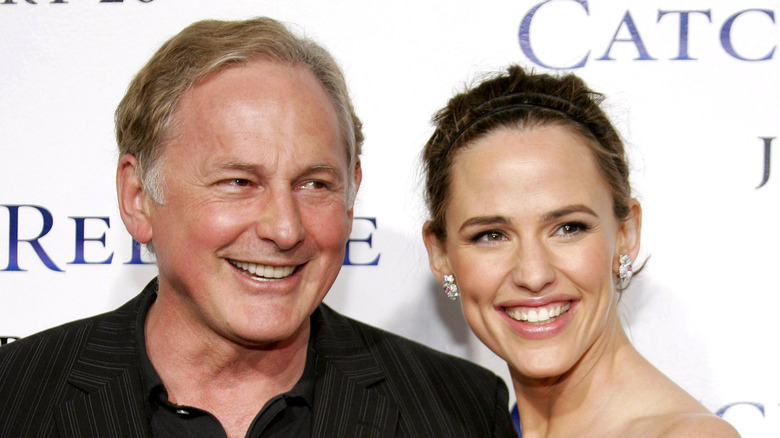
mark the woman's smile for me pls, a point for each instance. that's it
(538, 315)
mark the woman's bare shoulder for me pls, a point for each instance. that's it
(683, 425)
(667, 410)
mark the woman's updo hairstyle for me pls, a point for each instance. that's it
(519, 100)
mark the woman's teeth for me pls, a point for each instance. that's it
(538, 315)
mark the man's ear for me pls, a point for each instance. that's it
(437, 253)
(133, 204)
(358, 176)
(353, 194)
(629, 234)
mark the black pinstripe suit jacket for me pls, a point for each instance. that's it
(82, 379)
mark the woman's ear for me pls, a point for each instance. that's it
(629, 233)
(437, 253)
(133, 203)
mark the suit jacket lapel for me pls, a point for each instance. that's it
(113, 410)
(344, 402)
(107, 371)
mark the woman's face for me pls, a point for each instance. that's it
(533, 243)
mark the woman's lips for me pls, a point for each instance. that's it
(539, 321)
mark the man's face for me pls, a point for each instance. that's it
(252, 230)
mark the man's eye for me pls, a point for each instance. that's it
(313, 185)
(238, 182)
(234, 183)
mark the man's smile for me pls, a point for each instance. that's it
(264, 272)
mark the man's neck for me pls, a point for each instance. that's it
(202, 369)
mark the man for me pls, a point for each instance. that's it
(239, 167)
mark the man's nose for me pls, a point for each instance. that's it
(280, 220)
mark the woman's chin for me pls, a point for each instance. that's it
(537, 368)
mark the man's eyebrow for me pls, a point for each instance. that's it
(579, 208)
(254, 168)
(324, 167)
(237, 165)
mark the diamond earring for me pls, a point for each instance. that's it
(450, 288)
(624, 271)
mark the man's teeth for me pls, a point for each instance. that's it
(540, 316)
(264, 271)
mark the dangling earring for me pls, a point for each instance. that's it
(624, 271)
(450, 288)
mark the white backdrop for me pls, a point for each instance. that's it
(694, 110)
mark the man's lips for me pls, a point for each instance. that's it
(264, 272)
(539, 314)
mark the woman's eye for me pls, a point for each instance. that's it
(489, 236)
(571, 228)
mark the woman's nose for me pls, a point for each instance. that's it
(533, 269)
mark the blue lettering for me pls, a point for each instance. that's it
(725, 36)
(720, 412)
(767, 159)
(81, 239)
(524, 36)
(368, 240)
(635, 38)
(13, 238)
(682, 53)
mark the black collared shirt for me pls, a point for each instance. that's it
(286, 415)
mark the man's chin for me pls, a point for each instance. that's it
(271, 332)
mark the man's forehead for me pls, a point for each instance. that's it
(261, 71)
(261, 112)
(280, 85)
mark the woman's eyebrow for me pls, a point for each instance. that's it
(484, 220)
(579, 208)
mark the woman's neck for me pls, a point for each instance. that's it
(581, 398)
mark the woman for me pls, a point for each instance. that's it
(533, 223)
